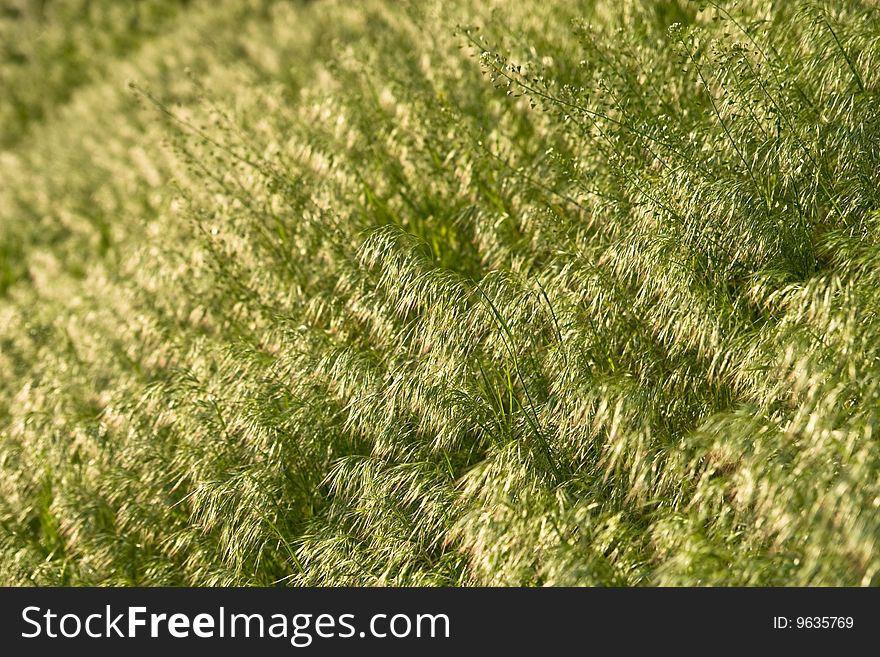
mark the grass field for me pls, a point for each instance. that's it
(439, 293)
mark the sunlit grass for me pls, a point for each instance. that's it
(454, 293)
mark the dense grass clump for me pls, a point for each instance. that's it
(453, 293)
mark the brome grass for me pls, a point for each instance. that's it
(459, 293)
